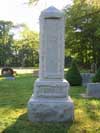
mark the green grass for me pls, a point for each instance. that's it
(14, 96)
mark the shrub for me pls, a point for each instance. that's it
(96, 78)
(73, 75)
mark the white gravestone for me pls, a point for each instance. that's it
(50, 100)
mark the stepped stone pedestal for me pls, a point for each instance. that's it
(50, 101)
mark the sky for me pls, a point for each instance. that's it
(18, 11)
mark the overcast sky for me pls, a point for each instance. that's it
(18, 11)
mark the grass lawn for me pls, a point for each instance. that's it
(14, 96)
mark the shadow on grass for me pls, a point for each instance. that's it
(16, 93)
(93, 108)
(23, 125)
(75, 92)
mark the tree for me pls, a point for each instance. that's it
(6, 40)
(27, 47)
(32, 1)
(18, 52)
(73, 75)
(96, 78)
(83, 32)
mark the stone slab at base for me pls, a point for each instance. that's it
(43, 110)
(10, 78)
(84, 95)
(93, 90)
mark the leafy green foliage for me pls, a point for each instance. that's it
(18, 52)
(96, 78)
(28, 47)
(6, 40)
(31, 2)
(82, 32)
(73, 75)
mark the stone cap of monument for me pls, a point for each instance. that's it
(52, 13)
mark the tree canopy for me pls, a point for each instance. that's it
(82, 32)
(82, 37)
(18, 52)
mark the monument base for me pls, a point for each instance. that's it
(50, 110)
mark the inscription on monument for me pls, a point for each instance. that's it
(58, 91)
(52, 46)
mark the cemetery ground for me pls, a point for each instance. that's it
(14, 95)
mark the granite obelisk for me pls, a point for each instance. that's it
(50, 100)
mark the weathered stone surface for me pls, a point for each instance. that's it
(93, 90)
(48, 110)
(51, 44)
(10, 78)
(50, 100)
(51, 89)
(86, 78)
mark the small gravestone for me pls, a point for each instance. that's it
(50, 100)
(86, 78)
(93, 67)
(8, 73)
(93, 90)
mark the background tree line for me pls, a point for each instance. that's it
(82, 37)
(22, 51)
(82, 31)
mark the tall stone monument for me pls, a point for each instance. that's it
(50, 100)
